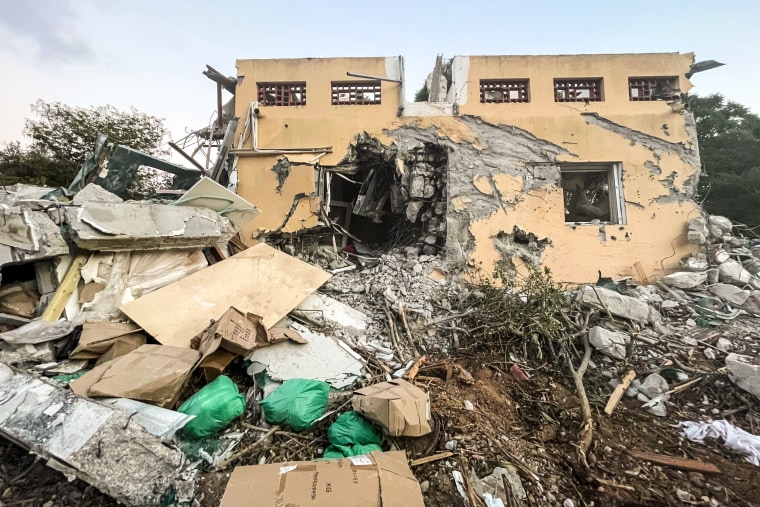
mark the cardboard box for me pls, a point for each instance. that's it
(237, 332)
(380, 479)
(400, 408)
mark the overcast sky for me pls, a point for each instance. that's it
(150, 54)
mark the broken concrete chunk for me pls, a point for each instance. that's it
(720, 226)
(103, 226)
(684, 279)
(732, 271)
(654, 385)
(744, 371)
(697, 233)
(94, 193)
(492, 486)
(617, 304)
(29, 236)
(730, 293)
(694, 264)
(609, 343)
(752, 265)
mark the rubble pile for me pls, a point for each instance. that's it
(147, 352)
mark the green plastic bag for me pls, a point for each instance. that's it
(351, 428)
(214, 407)
(345, 451)
(297, 403)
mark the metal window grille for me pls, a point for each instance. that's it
(578, 90)
(282, 93)
(653, 88)
(360, 93)
(504, 90)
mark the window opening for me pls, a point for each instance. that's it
(578, 90)
(360, 93)
(504, 90)
(653, 88)
(593, 193)
(282, 93)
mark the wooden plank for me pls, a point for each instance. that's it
(694, 465)
(259, 280)
(617, 394)
(431, 458)
(65, 289)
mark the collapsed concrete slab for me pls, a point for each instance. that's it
(84, 439)
(105, 226)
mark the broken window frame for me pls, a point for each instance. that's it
(614, 171)
(645, 88)
(574, 89)
(506, 87)
(285, 93)
(356, 91)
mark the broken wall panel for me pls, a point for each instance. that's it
(28, 235)
(101, 226)
(82, 438)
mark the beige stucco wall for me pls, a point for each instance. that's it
(657, 211)
(315, 125)
(501, 178)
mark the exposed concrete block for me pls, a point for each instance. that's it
(685, 280)
(617, 304)
(609, 343)
(744, 371)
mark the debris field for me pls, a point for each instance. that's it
(148, 357)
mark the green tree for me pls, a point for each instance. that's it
(62, 136)
(729, 145)
(422, 94)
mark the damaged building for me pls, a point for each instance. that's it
(583, 163)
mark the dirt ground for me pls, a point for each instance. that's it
(532, 424)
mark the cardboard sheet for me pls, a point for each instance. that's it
(151, 373)
(380, 479)
(98, 337)
(259, 280)
(400, 408)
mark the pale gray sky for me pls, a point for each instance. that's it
(150, 54)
